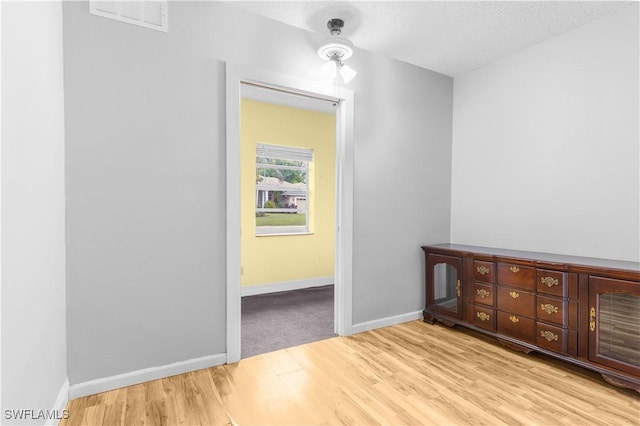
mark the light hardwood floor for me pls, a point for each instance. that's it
(412, 373)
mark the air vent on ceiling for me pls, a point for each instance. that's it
(146, 13)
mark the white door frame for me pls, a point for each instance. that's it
(235, 76)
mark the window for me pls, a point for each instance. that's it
(282, 189)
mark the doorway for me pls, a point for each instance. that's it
(287, 149)
(236, 76)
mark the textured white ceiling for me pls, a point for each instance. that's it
(449, 37)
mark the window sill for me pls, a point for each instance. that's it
(282, 233)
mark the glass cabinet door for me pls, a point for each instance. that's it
(444, 291)
(614, 323)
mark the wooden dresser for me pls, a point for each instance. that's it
(585, 311)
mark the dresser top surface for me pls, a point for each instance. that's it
(548, 258)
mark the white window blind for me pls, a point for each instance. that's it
(284, 152)
(145, 13)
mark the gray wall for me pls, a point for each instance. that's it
(33, 252)
(146, 179)
(402, 183)
(545, 145)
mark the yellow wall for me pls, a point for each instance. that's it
(272, 259)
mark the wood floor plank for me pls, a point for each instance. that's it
(155, 413)
(216, 411)
(231, 395)
(281, 362)
(114, 413)
(301, 386)
(94, 415)
(327, 389)
(115, 396)
(171, 409)
(134, 413)
(411, 373)
(153, 391)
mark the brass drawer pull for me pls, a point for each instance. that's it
(482, 270)
(482, 316)
(514, 319)
(549, 336)
(514, 269)
(482, 293)
(458, 288)
(549, 281)
(592, 319)
(514, 294)
(548, 308)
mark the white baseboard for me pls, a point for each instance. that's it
(254, 290)
(134, 377)
(385, 322)
(60, 405)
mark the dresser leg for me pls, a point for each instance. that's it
(514, 346)
(621, 382)
(428, 318)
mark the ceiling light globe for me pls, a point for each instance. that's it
(347, 73)
(329, 70)
(336, 46)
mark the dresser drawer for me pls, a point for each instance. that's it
(484, 317)
(516, 276)
(516, 301)
(556, 283)
(551, 338)
(552, 310)
(551, 282)
(517, 326)
(484, 271)
(483, 293)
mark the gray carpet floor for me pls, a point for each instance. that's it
(285, 319)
